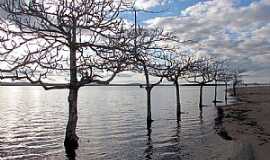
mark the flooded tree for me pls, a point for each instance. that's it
(145, 47)
(225, 76)
(202, 72)
(218, 69)
(80, 39)
(147, 50)
(181, 66)
(144, 62)
(177, 67)
(236, 80)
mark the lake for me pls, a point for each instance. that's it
(111, 125)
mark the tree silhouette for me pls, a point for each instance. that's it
(219, 75)
(147, 49)
(225, 76)
(177, 66)
(79, 38)
(202, 72)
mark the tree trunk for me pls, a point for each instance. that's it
(71, 140)
(226, 91)
(201, 92)
(149, 116)
(178, 105)
(148, 96)
(215, 99)
(234, 88)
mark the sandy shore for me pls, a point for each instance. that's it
(248, 123)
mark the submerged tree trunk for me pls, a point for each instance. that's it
(226, 91)
(201, 92)
(149, 116)
(71, 140)
(215, 99)
(178, 104)
(148, 89)
(234, 88)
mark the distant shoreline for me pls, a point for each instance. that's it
(120, 84)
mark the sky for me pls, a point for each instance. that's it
(234, 29)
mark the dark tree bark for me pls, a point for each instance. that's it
(148, 89)
(201, 92)
(71, 139)
(149, 114)
(226, 91)
(234, 88)
(215, 99)
(178, 104)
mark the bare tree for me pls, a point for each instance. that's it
(225, 76)
(177, 67)
(80, 38)
(202, 72)
(236, 80)
(147, 48)
(9, 62)
(180, 70)
(144, 63)
(219, 73)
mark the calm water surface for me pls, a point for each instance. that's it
(112, 124)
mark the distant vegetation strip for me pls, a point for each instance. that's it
(121, 84)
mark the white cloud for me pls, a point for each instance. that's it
(147, 4)
(225, 29)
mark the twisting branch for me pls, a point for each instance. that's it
(46, 31)
(79, 39)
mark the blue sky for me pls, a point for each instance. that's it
(235, 29)
(238, 30)
(174, 8)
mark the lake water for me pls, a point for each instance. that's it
(111, 125)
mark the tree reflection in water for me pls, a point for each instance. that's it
(149, 145)
(70, 153)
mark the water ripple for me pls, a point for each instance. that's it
(32, 124)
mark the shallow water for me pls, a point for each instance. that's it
(112, 124)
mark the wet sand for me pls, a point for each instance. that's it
(248, 123)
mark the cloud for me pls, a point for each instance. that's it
(147, 4)
(225, 29)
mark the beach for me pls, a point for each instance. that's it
(248, 123)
